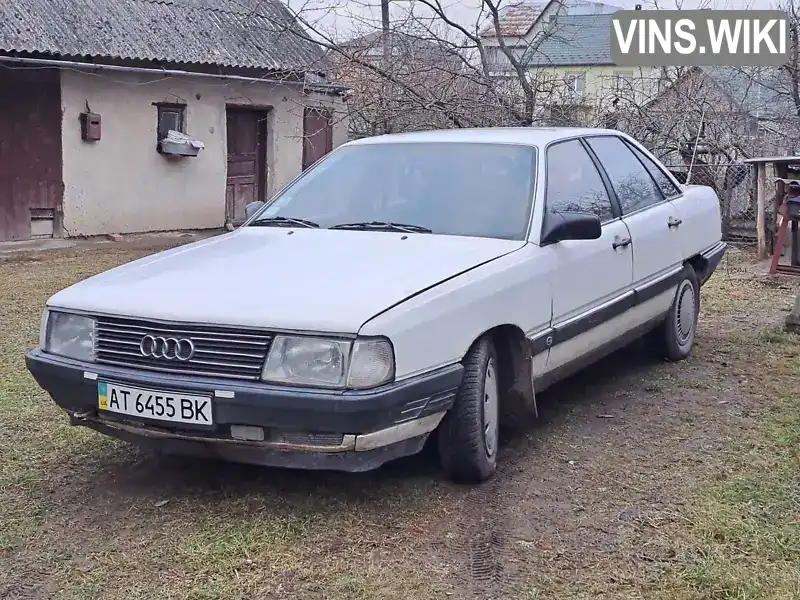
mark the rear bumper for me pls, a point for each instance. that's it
(296, 427)
(713, 257)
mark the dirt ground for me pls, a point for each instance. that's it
(641, 479)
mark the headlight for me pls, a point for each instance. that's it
(307, 361)
(69, 335)
(325, 362)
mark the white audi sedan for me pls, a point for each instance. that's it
(405, 286)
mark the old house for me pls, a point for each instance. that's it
(723, 114)
(120, 116)
(564, 49)
(523, 26)
(712, 119)
(579, 81)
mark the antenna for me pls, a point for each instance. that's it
(696, 141)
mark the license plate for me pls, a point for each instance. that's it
(159, 405)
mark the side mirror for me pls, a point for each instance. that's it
(252, 208)
(562, 226)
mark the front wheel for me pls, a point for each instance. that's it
(675, 336)
(469, 433)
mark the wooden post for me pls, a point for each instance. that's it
(793, 319)
(761, 201)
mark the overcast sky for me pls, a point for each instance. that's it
(342, 18)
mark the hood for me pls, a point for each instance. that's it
(280, 278)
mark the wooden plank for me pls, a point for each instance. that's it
(776, 255)
(773, 159)
(760, 178)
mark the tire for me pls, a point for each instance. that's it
(674, 338)
(467, 446)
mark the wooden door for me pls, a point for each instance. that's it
(247, 177)
(317, 135)
(31, 185)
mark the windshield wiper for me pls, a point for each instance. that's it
(383, 225)
(281, 221)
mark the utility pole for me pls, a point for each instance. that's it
(387, 45)
(387, 56)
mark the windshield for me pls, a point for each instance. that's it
(471, 189)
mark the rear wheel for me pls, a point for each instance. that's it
(469, 433)
(675, 336)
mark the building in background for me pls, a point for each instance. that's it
(523, 26)
(123, 116)
(564, 48)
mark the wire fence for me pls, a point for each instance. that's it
(733, 183)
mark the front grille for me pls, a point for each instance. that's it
(218, 351)
(306, 439)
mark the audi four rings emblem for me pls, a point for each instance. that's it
(167, 348)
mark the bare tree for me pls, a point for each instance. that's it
(430, 68)
(786, 81)
(701, 123)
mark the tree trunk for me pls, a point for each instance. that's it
(793, 320)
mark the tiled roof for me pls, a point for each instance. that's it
(230, 33)
(574, 40)
(515, 21)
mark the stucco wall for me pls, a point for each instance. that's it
(599, 81)
(121, 184)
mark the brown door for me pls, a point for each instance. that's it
(317, 135)
(30, 152)
(247, 175)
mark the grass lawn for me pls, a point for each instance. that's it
(643, 480)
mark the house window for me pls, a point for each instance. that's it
(500, 58)
(170, 116)
(575, 85)
(622, 81)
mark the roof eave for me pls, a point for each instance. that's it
(570, 64)
(158, 68)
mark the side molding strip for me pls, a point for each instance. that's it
(565, 331)
(658, 287)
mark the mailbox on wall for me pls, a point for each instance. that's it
(90, 127)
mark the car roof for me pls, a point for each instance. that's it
(529, 136)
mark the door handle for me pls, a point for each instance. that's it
(673, 222)
(621, 243)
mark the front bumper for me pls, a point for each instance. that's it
(301, 428)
